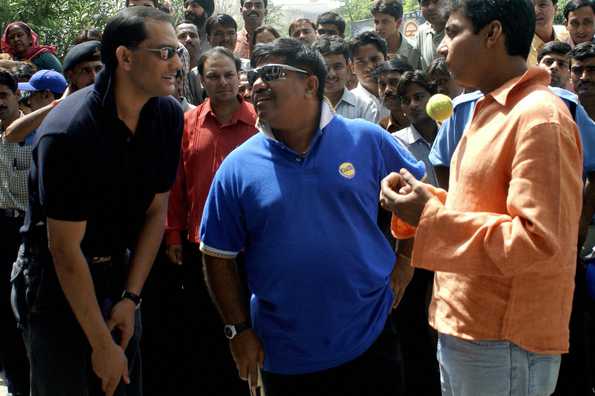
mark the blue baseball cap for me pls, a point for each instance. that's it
(45, 80)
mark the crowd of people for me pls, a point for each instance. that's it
(290, 216)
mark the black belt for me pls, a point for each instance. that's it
(12, 213)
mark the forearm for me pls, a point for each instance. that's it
(147, 247)
(76, 282)
(223, 282)
(588, 208)
(20, 128)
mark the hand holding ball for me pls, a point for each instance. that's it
(439, 107)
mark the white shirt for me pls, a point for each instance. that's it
(419, 147)
(352, 106)
(363, 93)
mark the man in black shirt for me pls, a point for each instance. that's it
(104, 161)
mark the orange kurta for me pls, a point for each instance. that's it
(503, 241)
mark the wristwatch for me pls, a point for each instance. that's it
(233, 330)
(135, 298)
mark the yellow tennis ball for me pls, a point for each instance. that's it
(439, 107)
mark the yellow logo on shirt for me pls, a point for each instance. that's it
(347, 170)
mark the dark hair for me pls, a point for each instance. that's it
(127, 28)
(574, 5)
(438, 66)
(90, 34)
(8, 79)
(264, 1)
(298, 21)
(414, 77)
(218, 51)
(583, 51)
(295, 54)
(554, 47)
(516, 16)
(396, 64)
(332, 45)
(220, 19)
(155, 3)
(389, 7)
(331, 18)
(262, 29)
(366, 38)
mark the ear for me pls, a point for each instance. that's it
(124, 56)
(493, 34)
(312, 86)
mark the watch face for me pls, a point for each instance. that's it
(229, 331)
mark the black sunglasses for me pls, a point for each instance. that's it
(165, 53)
(272, 72)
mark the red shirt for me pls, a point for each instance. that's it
(205, 144)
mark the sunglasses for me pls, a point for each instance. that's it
(165, 53)
(272, 72)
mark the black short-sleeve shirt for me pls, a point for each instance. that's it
(88, 166)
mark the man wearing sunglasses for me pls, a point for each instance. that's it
(300, 199)
(104, 161)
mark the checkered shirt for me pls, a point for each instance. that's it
(15, 161)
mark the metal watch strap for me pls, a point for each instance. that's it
(231, 331)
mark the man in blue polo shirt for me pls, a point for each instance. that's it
(300, 199)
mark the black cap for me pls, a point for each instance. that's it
(83, 52)
(207, 5)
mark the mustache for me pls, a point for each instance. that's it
(253, 13)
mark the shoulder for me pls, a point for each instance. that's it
(541, 106)
(467, 98)
(169, 105)
(402, 134)
(356, 127)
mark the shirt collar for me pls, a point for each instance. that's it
(348, 97)
(533, 74)
(410, 135)
(242, 113)
(326, 115)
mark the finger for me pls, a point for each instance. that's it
(243, 372)
(125, 337)
(391, 181)
(111, 324)
(405, 190)
(253, 380)
(125, 374)
(408, 178)
(111, 386)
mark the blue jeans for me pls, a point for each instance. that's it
(494, 368)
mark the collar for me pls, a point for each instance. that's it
(363, 90)
(241, 114)
(533, 75)
(410, 135)
(326, 115)
(348, 97)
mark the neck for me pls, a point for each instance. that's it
(589, 105)
(512, 67)
(250, 30)
(193, 62)
(298, 135)
(546, 33)
(335, 97)
(225, 110)
(372, 89)
(129, 100)
(427, 129)
(394, 42)
(5, 123)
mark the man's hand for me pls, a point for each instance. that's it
(400, 279)
(403, 194)
(248, 354)
(110, 365)
(122, 319)
(174, 253)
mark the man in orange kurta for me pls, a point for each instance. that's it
(503, 240)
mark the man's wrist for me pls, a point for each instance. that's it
(133, 297)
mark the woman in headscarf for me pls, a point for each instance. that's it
(22, 44)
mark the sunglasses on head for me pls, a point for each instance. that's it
(272, 72)
(165, 53)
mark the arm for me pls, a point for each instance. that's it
(224, 285)
(20, 128)
(403, 271)
(122, 314)
(588, 209)
(177, 214)
(109, 361)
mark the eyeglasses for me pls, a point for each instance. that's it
(165, 53)
(272, 72)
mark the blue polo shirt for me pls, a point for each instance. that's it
(317, 264)
(451, 130)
